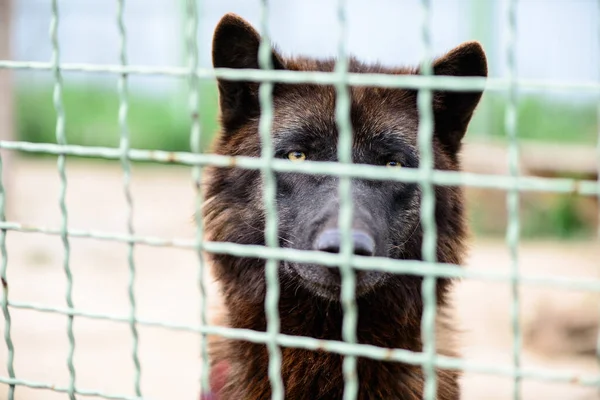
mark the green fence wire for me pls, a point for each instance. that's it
(195, 140)
(126, 165)
(344, 153)
(271, 226)
(425, 175)
(429, 245)
(512, 199)
(62, 140)
(3, 266)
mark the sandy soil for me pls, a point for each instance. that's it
(559, 326)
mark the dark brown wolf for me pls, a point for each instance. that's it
(385, 224)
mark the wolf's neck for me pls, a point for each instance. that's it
(386, 320)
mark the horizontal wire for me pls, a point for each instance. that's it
(409, 267)
(338, 347)
(320, 78)
(363, 171)
(64, 389)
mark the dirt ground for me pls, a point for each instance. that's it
(559, 325)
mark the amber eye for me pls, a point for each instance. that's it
(393, 164)
(296, 156)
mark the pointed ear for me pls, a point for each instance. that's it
(453, 110)
(235, 45)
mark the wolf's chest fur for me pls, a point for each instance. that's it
(385, 221)
(309, 374)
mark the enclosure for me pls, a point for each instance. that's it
(107, 112)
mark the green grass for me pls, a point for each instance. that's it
(539, 118)
(155, 123)
(557, 216)
(562, 219)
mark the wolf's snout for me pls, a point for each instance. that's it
(331, 242)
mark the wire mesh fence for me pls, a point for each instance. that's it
(426, 176)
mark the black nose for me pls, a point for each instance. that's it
(331, 241)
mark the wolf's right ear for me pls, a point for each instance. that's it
(235, 45)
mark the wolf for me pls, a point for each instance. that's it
(385, 221)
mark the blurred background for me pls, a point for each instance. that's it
(558, 41)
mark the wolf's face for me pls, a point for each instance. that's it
(385, 220)
(385, 213)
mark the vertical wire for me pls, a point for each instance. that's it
(126, 166)
(271, 229)
(512, 201)
(429, 245)
(4, 280)
(195, 145)
(61, 140)
(4, 264)
(344, 154)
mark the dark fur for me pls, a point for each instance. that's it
(385, 125)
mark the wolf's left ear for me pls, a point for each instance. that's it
(235, 45)
(453, 110)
